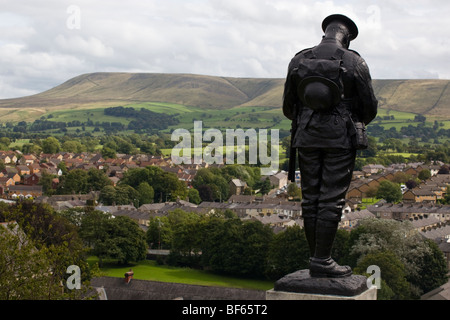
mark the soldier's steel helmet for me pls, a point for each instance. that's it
(345, 20)
(319, 93)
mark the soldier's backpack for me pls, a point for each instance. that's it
(320, 84)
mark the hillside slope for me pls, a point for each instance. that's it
(428, 97)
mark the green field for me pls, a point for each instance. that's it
(150, 270)
(238, 117)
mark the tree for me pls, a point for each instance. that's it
(108, 153)
(97, 180)
(51, 145)
(232, 246)
(72, 146)
(92, 227)
(40, 246)
(401, 177)
(194, 196)
(425, 174)
(371, 150)
(294, 191)
(400, 238)
(20, 261)
(118, 238)
(389, 191)
(125, 195)
(46, 181)
(159, 233)
(75, 182)
(215, 180)
(393, 274)
(371, 192)
(166, 185)
(288, 252)
(434, 269)
(146, 193)
(265, 186)
(108, 195)
(186, 237)
(62, 166)
(205, 192)
(411, 184)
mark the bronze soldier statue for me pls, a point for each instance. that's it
(328, 95)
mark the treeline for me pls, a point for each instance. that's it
(389, 151)
(418, 152)
(422, 132)
(40, 125)
(143, 118)
(151, 184)
(225, 244)
(143, 121)
(138, 186)
(213, 184)
(108, 145)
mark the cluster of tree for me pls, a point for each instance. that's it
(108, 145)
(37, 247)
(421, 130)
(119, 238)
(419, 153)
(222, 243)
(138, 186)
(39, 244)
(213, 183)
(164, 185)
(79, 181)
(42, 125)
(152, 184)
(143, 119)
(387, 190)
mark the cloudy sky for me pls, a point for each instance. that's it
(44, 43)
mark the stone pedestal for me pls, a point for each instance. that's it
(301, 286)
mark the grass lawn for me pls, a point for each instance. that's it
(150, 270)
(368, 202)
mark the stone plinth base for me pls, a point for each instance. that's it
(301, 286)
(369, 294)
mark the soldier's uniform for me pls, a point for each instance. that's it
(323, 139)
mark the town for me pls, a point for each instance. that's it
(422, 204)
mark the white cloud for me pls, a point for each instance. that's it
(79, 45)
(241, 38)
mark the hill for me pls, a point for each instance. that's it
(99, 90)
(430, 98)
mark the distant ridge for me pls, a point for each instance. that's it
(427, 97)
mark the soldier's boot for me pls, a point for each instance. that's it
(309, 225)
(321, 264)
